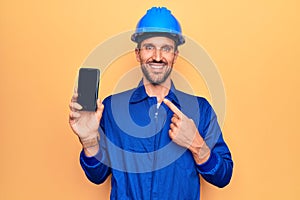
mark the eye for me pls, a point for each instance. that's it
(149, 47)
(167, 49)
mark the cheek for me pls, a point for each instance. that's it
(146, 59)
(171, 60)
(143, 58)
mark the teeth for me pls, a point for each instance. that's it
(156, 66)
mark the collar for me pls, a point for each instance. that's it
(139, 94)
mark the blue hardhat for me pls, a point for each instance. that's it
(158, 21)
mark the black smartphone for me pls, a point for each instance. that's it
(88, 84)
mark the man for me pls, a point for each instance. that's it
(154, 140)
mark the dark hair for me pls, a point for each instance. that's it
(144, 36)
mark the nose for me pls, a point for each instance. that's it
(157, 55)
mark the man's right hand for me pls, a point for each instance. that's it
(85, 124)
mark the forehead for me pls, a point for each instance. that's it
(158, 41)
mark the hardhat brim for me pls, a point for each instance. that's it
(139, 37)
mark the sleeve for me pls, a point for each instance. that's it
(94, 169)
(97, 168)
(217, 170)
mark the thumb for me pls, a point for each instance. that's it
(99, 111)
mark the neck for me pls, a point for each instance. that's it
(158, 91)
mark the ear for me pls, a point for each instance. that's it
(175, 56)
(137, 54)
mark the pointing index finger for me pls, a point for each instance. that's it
(173, 108)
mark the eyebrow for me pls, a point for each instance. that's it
(165, 45)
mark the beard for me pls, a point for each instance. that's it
(156, 78)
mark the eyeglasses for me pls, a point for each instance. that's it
(166, 49)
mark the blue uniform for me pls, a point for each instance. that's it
(145, 164)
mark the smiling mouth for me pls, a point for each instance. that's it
(157, 65)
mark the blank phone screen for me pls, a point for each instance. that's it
(88, 83)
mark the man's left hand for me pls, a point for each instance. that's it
(184, 132)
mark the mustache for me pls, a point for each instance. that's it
(157, 62)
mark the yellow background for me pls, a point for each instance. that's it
(255, 45)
